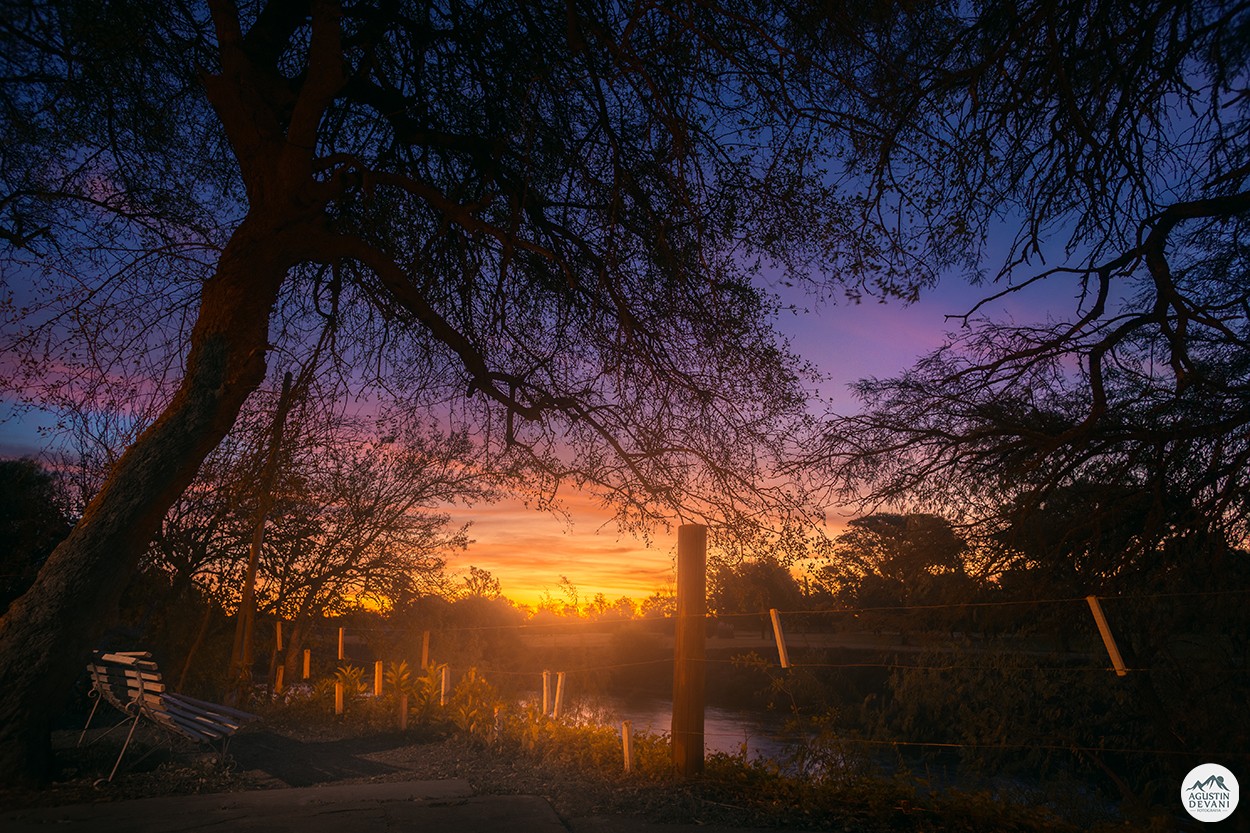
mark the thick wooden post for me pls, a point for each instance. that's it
(377, 679)
(425, 650)
(689, 671)
(340, 643)
(446, 686)
(307, 662)
(546, 693)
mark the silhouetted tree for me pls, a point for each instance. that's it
(751, 586)
(891, 560)
(541, 219)
(365, 523)
(33, 521)
(480, 583)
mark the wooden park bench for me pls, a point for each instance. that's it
(130, 681)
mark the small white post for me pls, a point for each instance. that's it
(546, 693)
(442, 697)
(307, 663)
(782, 654)
(1108, 640)
(559, 696)
(338, 697)
(340, 643)
(377, 679)
(627, 744)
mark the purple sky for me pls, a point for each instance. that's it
(530, 551)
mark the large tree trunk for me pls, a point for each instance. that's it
(46, 635)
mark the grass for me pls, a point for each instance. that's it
(733, 790)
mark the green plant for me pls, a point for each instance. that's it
(425, 693)
(474, 706)
(398, 678)
(353, 679)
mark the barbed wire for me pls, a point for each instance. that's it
(562, 632)
(570, 623)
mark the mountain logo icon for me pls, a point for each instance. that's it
(1214, 782)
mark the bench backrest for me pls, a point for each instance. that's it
(127, 679)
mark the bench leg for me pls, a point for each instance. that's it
(125, 746)
(94, 706)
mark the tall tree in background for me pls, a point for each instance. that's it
(541, 220)
(751, 587)
(366, 525)
(890, 560)
(33, 520)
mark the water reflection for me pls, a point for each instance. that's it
(724, 730)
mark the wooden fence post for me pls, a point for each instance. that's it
(277, 625)
(377, 679)
(546, 693)
(340, 644)
(307, 663)
(627, 744)
(1104, 630)
(782, 654)
(425, 651)
(689, 671)
(338, 697)
(403, 712)
(277, 679)
(442, 697)
(559, 696)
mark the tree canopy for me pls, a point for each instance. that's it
(542, 223)
(543, 219)
(1111, 140)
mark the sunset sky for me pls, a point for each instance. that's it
(529, 551)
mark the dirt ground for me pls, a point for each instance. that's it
(274, 756)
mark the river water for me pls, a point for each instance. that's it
(732, 731)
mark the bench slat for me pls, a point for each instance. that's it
(205, 720)
(217, 708)
(185, 727)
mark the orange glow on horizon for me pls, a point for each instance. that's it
(528, 551)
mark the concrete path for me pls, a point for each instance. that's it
(447, 806)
